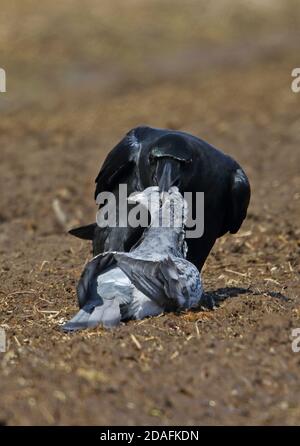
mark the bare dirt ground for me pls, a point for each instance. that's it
(78, 79)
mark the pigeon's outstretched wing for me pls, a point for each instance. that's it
(161, 281)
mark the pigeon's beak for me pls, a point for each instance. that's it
(167, 173)
(134, 198)
(163, 196)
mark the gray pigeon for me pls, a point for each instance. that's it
(152, 278)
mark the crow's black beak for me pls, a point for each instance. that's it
(167, 173)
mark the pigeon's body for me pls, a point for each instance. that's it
(154, 277)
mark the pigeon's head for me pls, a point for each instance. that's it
(146, 197)
(174, 200)
(171, 202)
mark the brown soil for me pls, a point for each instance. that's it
(77, 81)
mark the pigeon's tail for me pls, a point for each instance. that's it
(102, 290)
(93, 314)
(85, 287)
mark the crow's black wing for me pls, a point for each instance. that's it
(119, 163)
(239, 197)
(84, 232)
(122, 163)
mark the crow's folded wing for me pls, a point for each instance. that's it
(238, 200)
(118, 163)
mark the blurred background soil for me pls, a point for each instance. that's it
(81, 74)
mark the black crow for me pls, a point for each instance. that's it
(149, 156)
